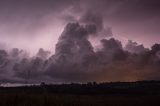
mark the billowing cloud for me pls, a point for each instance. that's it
(76, 61)
(31, 24)
(133, 47)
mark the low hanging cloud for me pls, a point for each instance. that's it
(75, 59)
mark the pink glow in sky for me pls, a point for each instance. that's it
(31, 25)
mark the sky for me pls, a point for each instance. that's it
(79, 40)
(34, 24)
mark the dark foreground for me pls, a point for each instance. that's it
(91, 94)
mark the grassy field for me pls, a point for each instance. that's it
(109, 94)
(77, 100)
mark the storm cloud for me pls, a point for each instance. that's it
(76, 61)
(79, 41)
(39, 21)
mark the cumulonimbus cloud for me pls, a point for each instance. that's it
(76, 61)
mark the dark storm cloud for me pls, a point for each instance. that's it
(72, 51)
(75, 58)
(133, 47)
(76, 61)
(24, 19)
(17, 67)
(137, 19)
(43, 53)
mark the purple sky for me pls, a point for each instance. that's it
(84, 37)
(32, 24)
